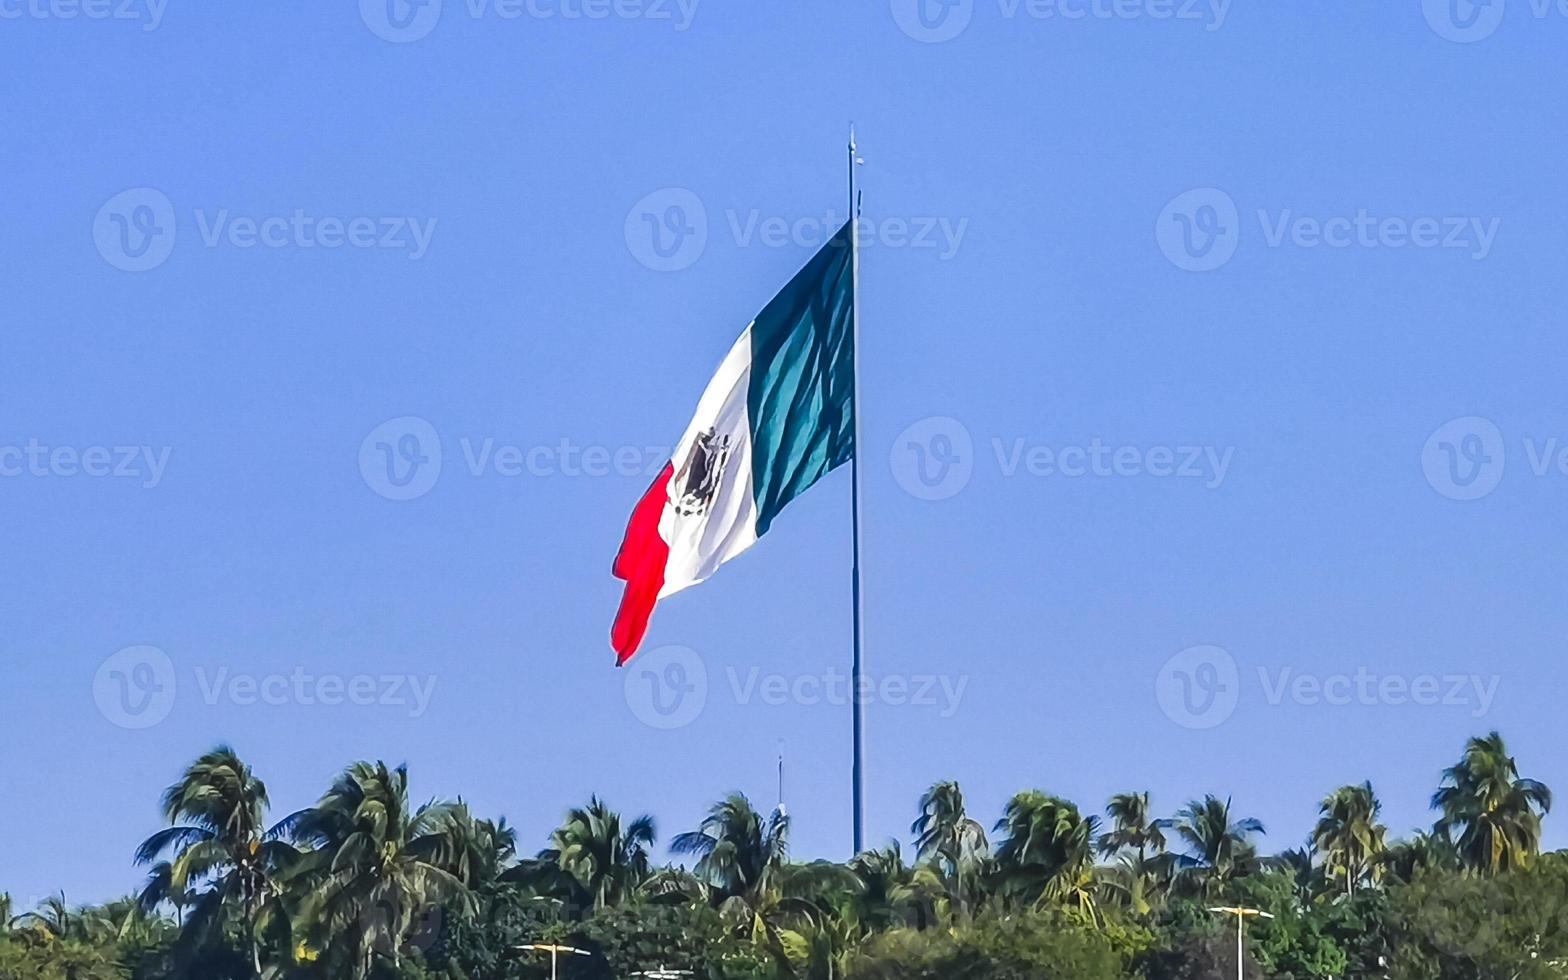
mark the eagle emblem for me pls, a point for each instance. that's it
(697, 483)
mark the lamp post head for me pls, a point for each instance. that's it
(1241, 912)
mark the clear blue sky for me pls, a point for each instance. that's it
(1067, 312)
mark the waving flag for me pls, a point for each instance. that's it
(777, 416)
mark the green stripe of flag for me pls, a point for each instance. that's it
(801, 398)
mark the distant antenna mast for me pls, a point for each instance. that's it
(781, 775)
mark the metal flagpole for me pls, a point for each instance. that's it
(858, 709)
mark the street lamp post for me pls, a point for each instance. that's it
(1241, 914)
(555, 952)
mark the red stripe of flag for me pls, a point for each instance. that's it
(641, 561)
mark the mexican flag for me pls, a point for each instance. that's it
(777, 416)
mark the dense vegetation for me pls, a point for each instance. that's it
(364, 885)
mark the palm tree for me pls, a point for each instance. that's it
(1403, 860)
(1136, 883)
(820, 948)
(1305, 873)
(889, 893)
(374, 865)
(1218, 848)
(743, 864)
(160, 889)
(53, 918)
(739, 851)
(1490, 815)
(482, 850)
(217, 840)
(1142, 871)
(1047, 851)
(1133, 826)
(944, 830)
(604, 861)
(1349, 836)
(949, 840)
(122, 920)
